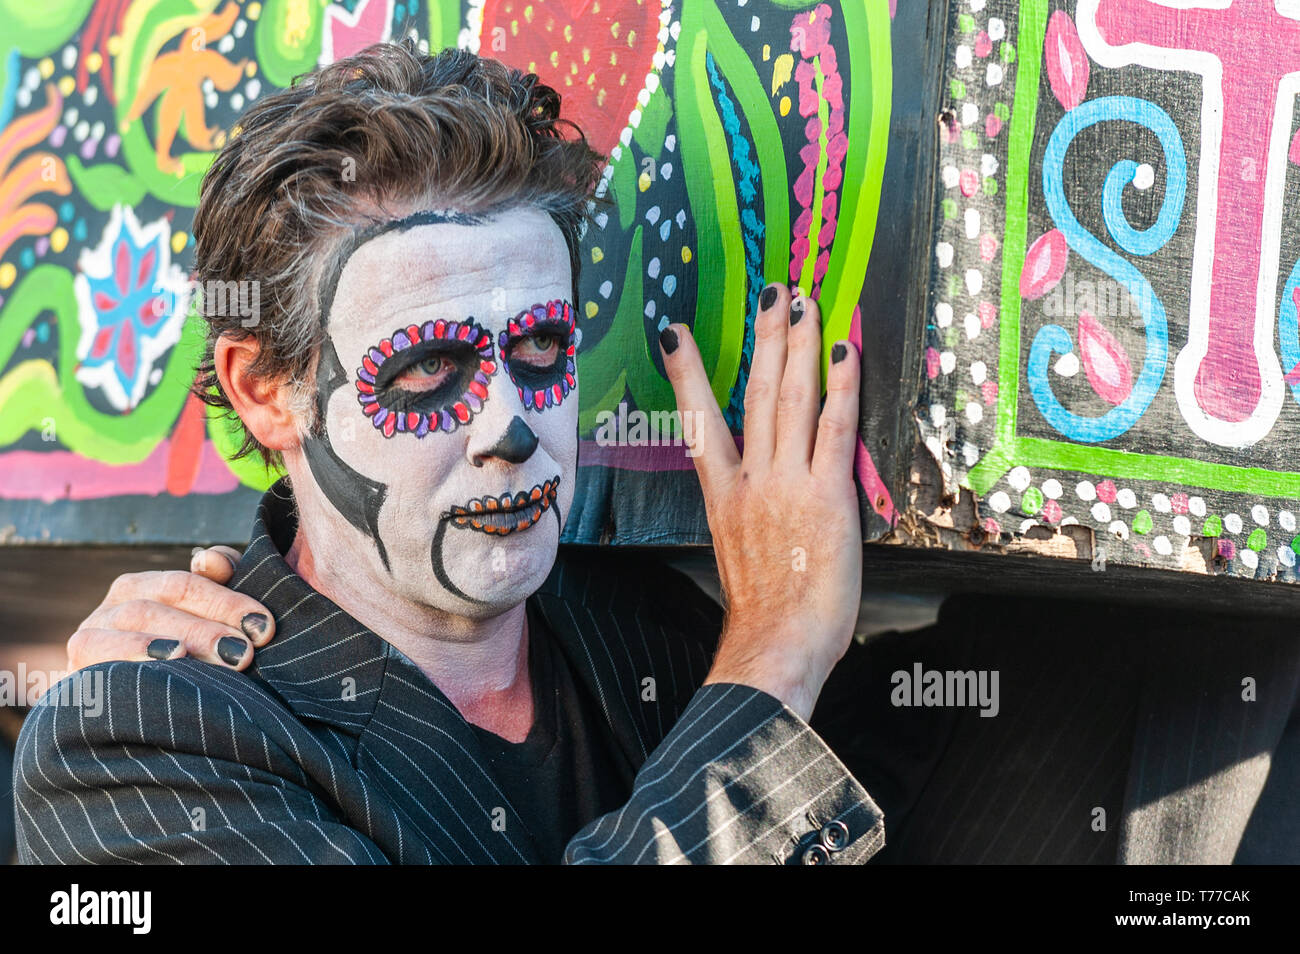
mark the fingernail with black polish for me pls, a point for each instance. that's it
(768, 298)
(161, 648)
(668, 340)
(254, 625)
(838, 353)
(796, 311)
(231, 649)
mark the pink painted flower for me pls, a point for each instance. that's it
(1179, 502)
(970, 182)
(1044, 264)
(1106, 491)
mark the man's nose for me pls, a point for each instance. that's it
(515, 446)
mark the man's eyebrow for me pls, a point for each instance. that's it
(359, 237)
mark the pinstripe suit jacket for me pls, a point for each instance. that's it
(335, 748)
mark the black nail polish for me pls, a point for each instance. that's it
(668, 340)
(231, 649)
(838, 353)
(796, 311)
(768, 298)
(254, 625)
(161, 648)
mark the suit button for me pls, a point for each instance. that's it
(816, 855)
(835, 835)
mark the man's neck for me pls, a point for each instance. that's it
(480, 665)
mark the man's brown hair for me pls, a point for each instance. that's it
(309, 165)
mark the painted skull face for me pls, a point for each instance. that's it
(447, 391)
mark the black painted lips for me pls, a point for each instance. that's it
(506, 513)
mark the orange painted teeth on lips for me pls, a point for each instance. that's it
(506, 513)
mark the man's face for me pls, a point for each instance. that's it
(448, 394)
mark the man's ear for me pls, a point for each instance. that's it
(264, 405)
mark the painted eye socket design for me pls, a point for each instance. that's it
(426, 378)
(537, 350)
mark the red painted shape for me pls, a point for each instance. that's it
(185, 453)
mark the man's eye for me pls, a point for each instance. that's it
(425, 376)
(539, 349)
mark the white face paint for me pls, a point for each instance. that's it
(451, 415)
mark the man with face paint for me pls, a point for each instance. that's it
(440, 687)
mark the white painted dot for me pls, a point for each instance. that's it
(90, 95)
(23, 98)
(938, 414)
(1196, 505)
(997, 28)
(1286, 520)
(970, 114)
(1000, 502)
(1052, 488)
(993, 75)
(1027, 525)
(1259, 513)
(1232, 523)
(1069, 521)
(70, 116)
(976, 6)
(1067, 365)
(947, 362)
(240, 26)
(974, 281)
(979, 372)
(974, 413)
(970, 453)
(1085, 490)
(754, 24)
(1126, 499)
(963, 57)
(988, 164)
(1119, 529)
(943, 251)
(81, 131)
(951, 177)
(236, 101)
(1249, 558)
(252, 88)
(1286, 556)
(606, 289)
(69, 57)
(943, 314)
(226, 43)
(1100, 512)
(972, 219)
(1182, 526)
(1161, 503)
(972, 325)
(1162, 546)
(1019, 479)
(1144, 177)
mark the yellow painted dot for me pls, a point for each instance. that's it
(568, 81)
(514, 27)
(613, 59)
(7, 274)
(179, 239)
(586, 54)
(686, 253)
(631, 37)
(622, 80)
(591, 79)
(573, 69)
(767, 52)
(600, 96)
(595, 7)
(528, 13)
(568, 33)
(94, 61)
(532, 66)
(596, 254)
(643, 181)
(46, 66)
(592, 308)
(59, 239)
(253, 11)
(785, 105)
(614, 28)
(550, 24)
(66, 85)
(555, 57)
(250, 69)
(114, 45)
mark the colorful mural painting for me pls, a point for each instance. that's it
(1111, 339)
(747, 142)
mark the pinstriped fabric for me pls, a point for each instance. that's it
(335, 748)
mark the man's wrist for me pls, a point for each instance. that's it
(784, 673)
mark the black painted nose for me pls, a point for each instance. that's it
(516, 445)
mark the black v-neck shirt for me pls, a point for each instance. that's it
(568, 770)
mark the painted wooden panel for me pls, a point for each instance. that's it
(747, 142)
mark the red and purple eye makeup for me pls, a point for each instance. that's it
(537, 350)
(398, 392)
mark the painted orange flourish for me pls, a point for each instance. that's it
(175, 80)
(38, 172)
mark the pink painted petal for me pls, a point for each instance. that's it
(1067, 63)
(1104, 360)
(1044, 264)
(1294, 152)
